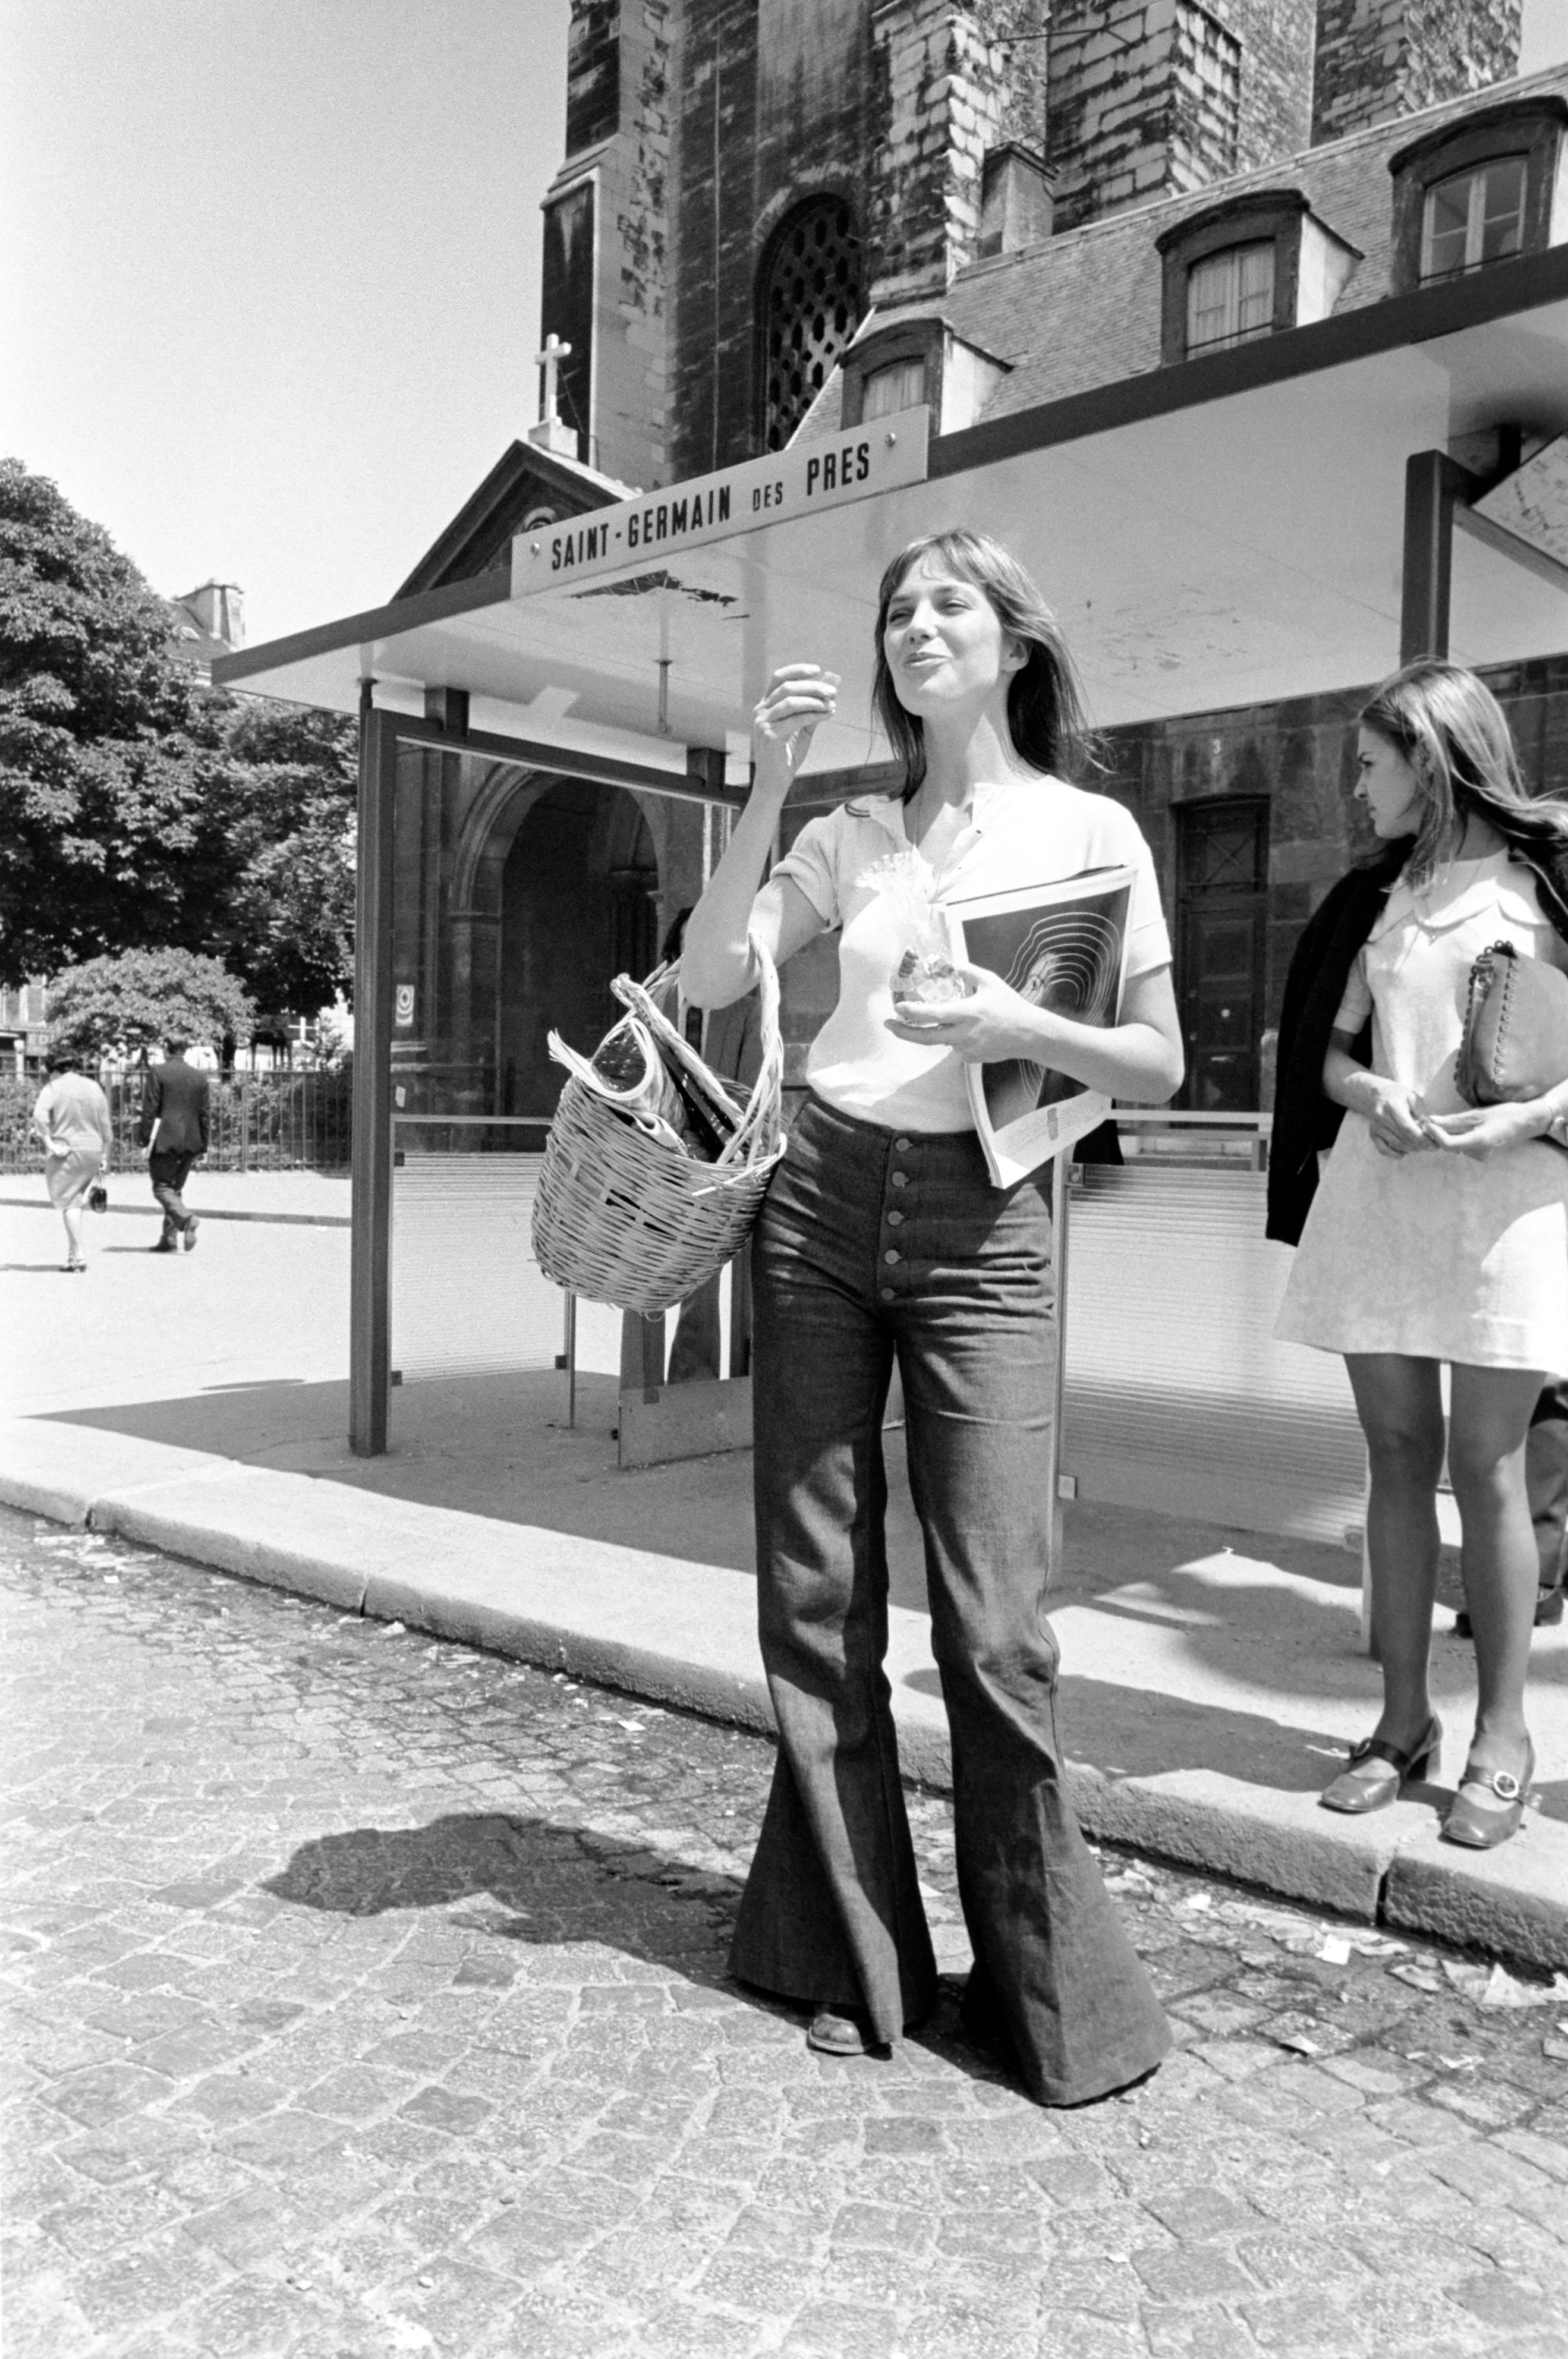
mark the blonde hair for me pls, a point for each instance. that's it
(1455, 736)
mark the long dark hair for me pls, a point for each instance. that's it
(1045, 704)
(1455, 736)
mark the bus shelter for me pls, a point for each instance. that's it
(1253, 526)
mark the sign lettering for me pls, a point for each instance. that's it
(879, 457)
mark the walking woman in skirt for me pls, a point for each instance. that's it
(1438, 1233)
(882, 1237)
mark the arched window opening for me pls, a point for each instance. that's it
(810, 307)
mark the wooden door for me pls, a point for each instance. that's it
(1222, 857)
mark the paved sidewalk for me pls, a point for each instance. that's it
(306, 1197)
(1210, 1677)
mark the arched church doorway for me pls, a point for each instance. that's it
(577, 908)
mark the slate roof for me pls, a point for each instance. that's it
(1084, 309)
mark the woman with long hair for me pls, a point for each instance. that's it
(882, 1239)
(1439, 1232)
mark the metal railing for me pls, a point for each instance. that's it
(258, 1121)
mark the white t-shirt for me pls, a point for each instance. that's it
(853, 866)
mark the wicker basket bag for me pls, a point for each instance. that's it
(626, 1218)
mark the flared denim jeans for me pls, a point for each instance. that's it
(873, 1242)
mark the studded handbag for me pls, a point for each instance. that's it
(1516, 1029)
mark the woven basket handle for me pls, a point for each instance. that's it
(756, 1134)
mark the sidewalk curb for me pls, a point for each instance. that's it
(683, 1633)
(154, 1213)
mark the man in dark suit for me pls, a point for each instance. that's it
(174, 1129)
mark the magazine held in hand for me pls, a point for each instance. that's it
(1061, 946)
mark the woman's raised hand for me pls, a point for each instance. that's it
(796, 698)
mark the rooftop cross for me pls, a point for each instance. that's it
(549, 360)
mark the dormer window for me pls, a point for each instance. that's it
(1479, 188)
(1245, 267)
(901, 384)
(897, 364)
(1472, 217)
(1230, 296)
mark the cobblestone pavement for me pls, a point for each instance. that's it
(367, 1996)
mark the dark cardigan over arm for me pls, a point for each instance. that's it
(1306, 1122)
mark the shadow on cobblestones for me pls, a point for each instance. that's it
(525, 1868)
(557, 1888)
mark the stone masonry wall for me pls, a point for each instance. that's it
(1109, 105)
(772, 105)
(1380, 58)
(637, 206)
(1276, 39)
(938, 88)
(605, 241)
(593, 74)
(891, 107)
(1148, 98)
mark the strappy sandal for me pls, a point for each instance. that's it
(1472, 1822)
(1356, 1795)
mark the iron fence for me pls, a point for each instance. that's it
(258, 1121)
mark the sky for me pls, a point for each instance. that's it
(270, 275)
(269, 270)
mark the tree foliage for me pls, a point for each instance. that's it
(142, 998)
(287, 796)
(140, 809)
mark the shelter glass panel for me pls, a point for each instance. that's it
(518, 894)
(1177, 1396)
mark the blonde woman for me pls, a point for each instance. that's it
(1439, 1232)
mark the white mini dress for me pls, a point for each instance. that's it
(1433, 1256)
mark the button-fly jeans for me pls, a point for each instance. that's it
(873, 1243)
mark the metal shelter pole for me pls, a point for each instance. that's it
(1060, 1198)
(1432, 483)
(371, 1237)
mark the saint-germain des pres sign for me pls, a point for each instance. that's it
(877, 457)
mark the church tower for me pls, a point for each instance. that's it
(747, 182)
(604, 238)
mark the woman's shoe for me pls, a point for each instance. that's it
(1356, 1795)
(843, 2031)
(1477, 1824)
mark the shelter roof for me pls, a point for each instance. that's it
(1224, 532)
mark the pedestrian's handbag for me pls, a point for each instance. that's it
(1516, 1029)
(97, 1197)
(653, 1173)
